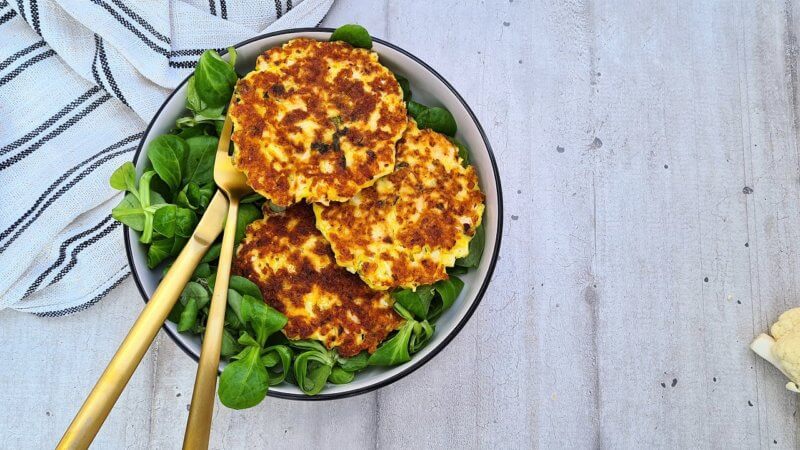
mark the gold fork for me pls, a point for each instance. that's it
(98, 404)
(234, 184)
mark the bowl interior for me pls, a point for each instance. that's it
(428, 88)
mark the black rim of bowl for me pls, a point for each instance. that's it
(412, 365)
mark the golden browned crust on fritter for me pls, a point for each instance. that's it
(407, 228)
(316, 121)
(294, 267)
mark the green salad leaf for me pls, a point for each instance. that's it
(428, 302)
(171, 220)
(203, 270)
(405, 86)
(421, 334)
(162, 248)
(446, 293)
(308, 344)
(247, 340)
(437, 119)
(214, 80)
(244, 382)
(195, 197)
(476, 245)
(463, 152)
(150, 202)
(167, 153)
(413, 336)
(192, 300)
(277, 359)
(353, 34)
(229, 345)
(212, 254)
(235, 304)
(257, 365)
(263, 319)
(457, 270)
(186, 130)
(395, 350)
(124, 178)
(311, 371)
(188, 317)
(353, 363)
(340, 376)
(414, 108)
(137, 207)
(315, 365)
(130, 212)
(416, 302)
(247, 214)
(201, 151)
(252, 198)
(243, 286)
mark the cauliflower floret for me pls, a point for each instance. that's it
(787, 350)
(788, 322)
(782, 349)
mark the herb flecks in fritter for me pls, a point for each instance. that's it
(294, 267)
(407, 228)
(316, 121)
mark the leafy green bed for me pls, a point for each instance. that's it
(168, 199)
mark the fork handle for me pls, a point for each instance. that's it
(198, 426)
(98, 404)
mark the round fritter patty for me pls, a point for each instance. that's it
(294, 267)
(316, 121)
(411, 225)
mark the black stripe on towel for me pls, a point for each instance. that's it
(74, 255)
(125, 23)
(141, 21)
(189, 51)
(86, 305)
(21, 7)
(7, 62)
(109, 75)
(60, 129)
(183, 64)
(193, 52)
(35, 17)
(36, 59)
(7, 16)
(95, 59)
(61, 192)
(51, 121)
(40, 202)
(62, 255)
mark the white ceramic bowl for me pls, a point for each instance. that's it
(429, 88)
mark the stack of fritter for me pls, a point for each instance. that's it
(321, 122)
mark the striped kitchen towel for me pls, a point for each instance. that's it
(78, 82)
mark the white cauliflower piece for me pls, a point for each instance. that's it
(782, 349)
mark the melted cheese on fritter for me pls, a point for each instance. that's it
(294, 267)
(316, 121)
(405, 230)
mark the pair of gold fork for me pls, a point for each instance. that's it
(87, 422)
